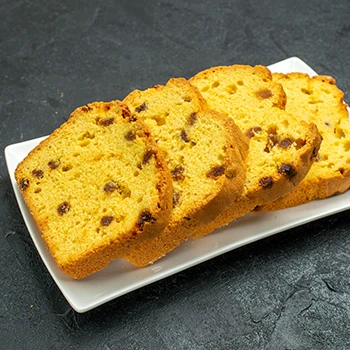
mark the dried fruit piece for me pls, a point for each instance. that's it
(285, 143)
(125, 113)
(53, 164)
(184, 136)
(266, 182)
(273, 139)
(66, 168)
(177, 173)
(24, 184)
(111, 186)
(63, 208)
(130, 135)
(141, 108)
(287, 170)
(145, 216)
(252, 131)
(192, 119)
(147, 156)
(106, 220)
(106, 122)
(38, 173)
(85, 108)
(216, 171)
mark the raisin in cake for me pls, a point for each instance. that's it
(96, 187)
(319, 100)
(281, 147)
(205, 153)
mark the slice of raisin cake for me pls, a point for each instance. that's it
(319, 100)
(96, 187)
(281, 147)
(205, 153)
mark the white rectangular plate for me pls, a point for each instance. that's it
(120, 277)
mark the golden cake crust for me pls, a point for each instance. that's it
(281, 148)
(96, 187)
(205, 153)
(318, 100)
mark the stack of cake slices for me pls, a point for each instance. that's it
(133, 179)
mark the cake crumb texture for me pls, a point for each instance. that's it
(281, 147)
(205, 153)
(320, 101)
(96, 187)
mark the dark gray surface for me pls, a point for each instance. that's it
(290, 291)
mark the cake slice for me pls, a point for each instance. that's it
(318, 100)
(282, 147)
(205, 153)
(96, 187)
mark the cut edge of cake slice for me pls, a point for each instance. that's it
(318, 100)
(96, 187)
(281, 147)
(205, 153)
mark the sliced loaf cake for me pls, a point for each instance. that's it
(96, 187)
(205, 153)
(318, 100)
(282, 147)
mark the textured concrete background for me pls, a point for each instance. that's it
(290, 291)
